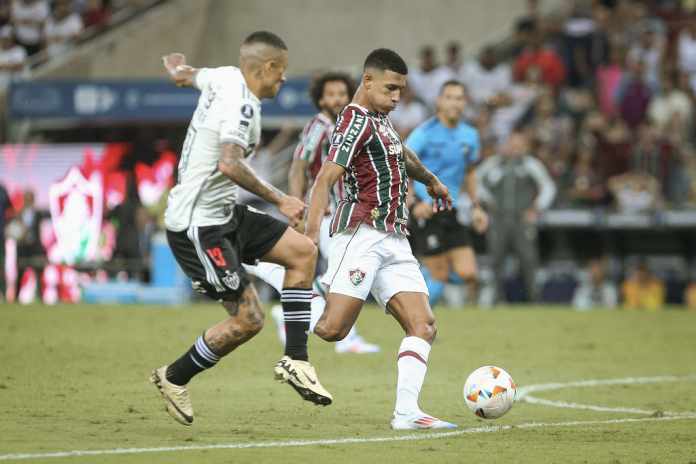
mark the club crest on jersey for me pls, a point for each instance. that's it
(356, 276)
(231, 280)
(247, 111)
(337, 139)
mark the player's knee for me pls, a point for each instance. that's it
(330, 332)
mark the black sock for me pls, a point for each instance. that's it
(297, 311)
(197, 359)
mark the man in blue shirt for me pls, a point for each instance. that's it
(449, 147)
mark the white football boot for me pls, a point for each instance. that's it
(419, 421)
(301, 376)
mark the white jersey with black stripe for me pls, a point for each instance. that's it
(227, 112)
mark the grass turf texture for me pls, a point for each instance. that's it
(75, 378)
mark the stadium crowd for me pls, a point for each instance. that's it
(32, 27)
(605, 95)
(602, 94)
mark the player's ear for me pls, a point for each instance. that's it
(368, 79)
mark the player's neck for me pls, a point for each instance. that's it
(361, 99)
(447, 122)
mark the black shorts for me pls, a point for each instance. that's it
(439, 234)
(212, 256)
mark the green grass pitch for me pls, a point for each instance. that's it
(75, 378)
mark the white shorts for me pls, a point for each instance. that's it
(324, 237)
(367, 260)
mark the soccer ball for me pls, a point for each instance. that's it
(489, 392)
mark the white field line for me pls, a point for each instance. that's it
(338, 441)
(409, 437)
(525, 396)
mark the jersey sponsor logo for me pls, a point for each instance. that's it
(247, 111)
(231, 280)
(217, 257)
(337, 139)
(356, 276)
(395, 149)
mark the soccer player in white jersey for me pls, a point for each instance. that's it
(330, 93)
(211, 236)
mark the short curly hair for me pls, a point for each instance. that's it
(316, 90)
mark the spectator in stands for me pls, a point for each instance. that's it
(634, 93)
(428, 78)
(28, 17)
(408, 114)
(515, 188)
(551, 128)
(453, 60)
(585, 44)
(643, 290)
(648, 50)
(487, 80)
(13, 57)
(5, 208)
(5, 13)
(595, 290)
(686, 52)
(62, 28)
(585, 188)
(96, 14)
(609, 77)
(672, 109)
(635, 192)
(544, 57)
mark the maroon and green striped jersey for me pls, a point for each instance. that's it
(375, 183)
(313, 147)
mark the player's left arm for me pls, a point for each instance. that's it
(436, 189)
(328, 175)
(179, 72)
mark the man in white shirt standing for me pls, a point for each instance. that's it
(13, 57)
(62, 28)
(211, 236)
(29, 17)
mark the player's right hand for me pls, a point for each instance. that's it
(179, 71)
(292, 208)
(440, 194)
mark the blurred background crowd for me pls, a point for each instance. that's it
(601, 92)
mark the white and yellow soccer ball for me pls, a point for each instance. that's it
(489, 392)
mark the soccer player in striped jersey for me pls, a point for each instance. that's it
(211, 236)
(369, 249)
(330, 93)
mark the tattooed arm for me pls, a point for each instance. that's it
(415, 169)
(233, 165)
(436, 189)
